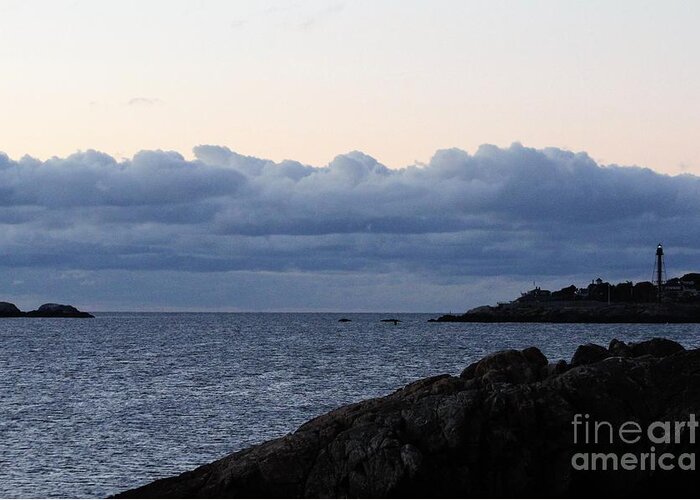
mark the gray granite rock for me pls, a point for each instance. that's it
(501, 429)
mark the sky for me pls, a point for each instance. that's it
(342, 156)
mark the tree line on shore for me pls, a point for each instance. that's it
(683, 289)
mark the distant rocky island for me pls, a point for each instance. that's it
(9, 310)
(677, 300)
(503, 428)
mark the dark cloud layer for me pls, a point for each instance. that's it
(514, 212)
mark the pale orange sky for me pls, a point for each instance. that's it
(308, 80)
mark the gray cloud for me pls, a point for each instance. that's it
(516, 213)
(144, 101)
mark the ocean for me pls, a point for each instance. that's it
(89, 408)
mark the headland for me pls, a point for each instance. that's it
(676, 300)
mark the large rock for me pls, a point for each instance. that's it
(509, 366)
(502, 429)
(654, 347)
(58, 311)
(8, 310)
(589, 353)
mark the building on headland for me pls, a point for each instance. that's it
(682, 289)
(535, 295)
(685, 289)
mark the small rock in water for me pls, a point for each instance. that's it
(391, 320)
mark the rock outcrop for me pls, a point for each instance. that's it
(503, 428)
(8, 310)
(589, 353)
(577, 312)
(58, 311)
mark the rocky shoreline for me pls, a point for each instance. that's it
(578, 312)
(9, 310)
(503, 428)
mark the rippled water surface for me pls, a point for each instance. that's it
(92, 407)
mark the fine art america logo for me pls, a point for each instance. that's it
(664, 434)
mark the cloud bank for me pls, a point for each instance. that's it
(461, 220)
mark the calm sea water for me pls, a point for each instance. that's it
(89, 408)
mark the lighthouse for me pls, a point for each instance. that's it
(659, 271)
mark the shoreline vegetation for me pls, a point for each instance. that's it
(502, 428)
(674, 301)
(50, 310)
